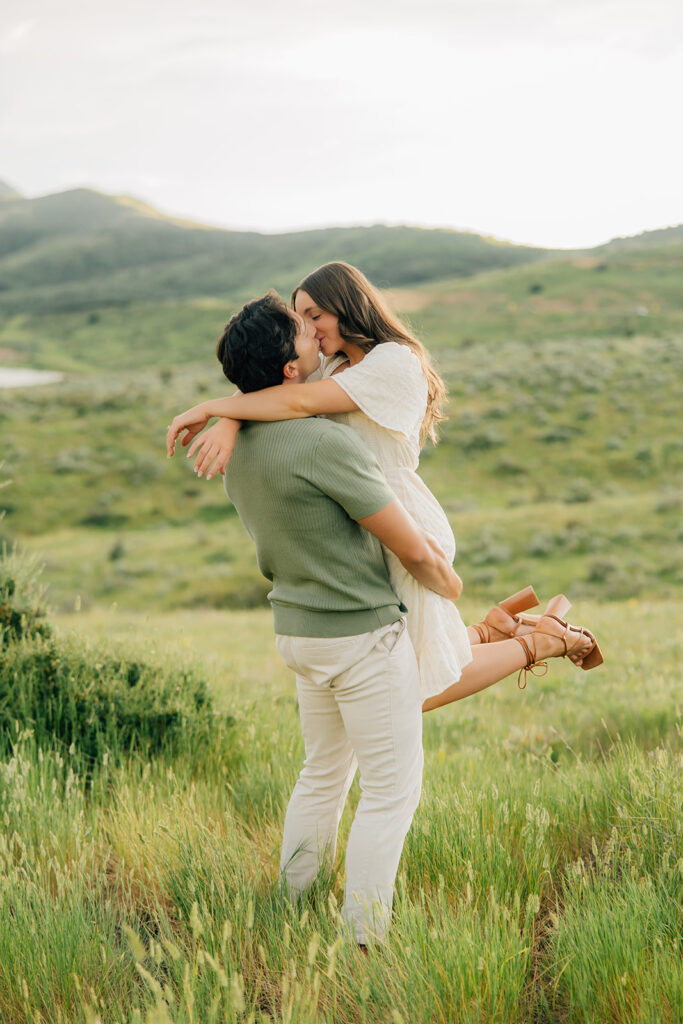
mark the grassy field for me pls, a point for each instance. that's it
(541, 880)
(148, 749)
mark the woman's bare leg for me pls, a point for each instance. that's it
(490, 663)
(474, 636)
(493, 662)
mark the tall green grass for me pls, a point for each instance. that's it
(168, 904)
(541, 879)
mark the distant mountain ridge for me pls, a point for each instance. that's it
(7, 192)
(661, 236)
(81, 248)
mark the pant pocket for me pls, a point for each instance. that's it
(391, 635)
(283, 646)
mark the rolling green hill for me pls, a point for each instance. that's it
(660, 237)
(558, 466)
(81, 249)
(91, 282)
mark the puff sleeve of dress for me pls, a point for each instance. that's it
(388, 385)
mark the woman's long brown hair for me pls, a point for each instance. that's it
(366, 320)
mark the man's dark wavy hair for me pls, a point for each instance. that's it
(257, 343)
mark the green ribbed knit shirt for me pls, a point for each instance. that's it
(299, 486)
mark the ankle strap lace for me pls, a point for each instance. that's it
(531, 664)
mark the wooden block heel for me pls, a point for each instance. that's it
(557, 606)
(520, 602)
(594, 658)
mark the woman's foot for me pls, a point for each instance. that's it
(555, 638)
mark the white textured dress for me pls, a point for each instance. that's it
(390, 390)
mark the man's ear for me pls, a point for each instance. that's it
(290, 371)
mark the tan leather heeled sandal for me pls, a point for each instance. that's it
(507, 619)
(500, 621)
(557, 606)
(571, 637)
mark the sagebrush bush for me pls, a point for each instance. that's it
(71, 694)
(66, 692)
(22, 612)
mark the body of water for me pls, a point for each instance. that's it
(18, 377)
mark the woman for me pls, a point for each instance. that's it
(376, 377)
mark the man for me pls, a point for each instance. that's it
(317, 506)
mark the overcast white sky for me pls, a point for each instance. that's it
(553, 122)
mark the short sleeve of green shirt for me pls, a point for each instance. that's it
(345, 470)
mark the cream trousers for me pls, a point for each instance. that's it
(359, 704)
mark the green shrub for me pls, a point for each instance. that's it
(560, 434)
(509, 467)
(602, 569)
(21, 609)
(483, 440)
(66, 692)
(541, 545)
(669, 502)
(579, 491)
